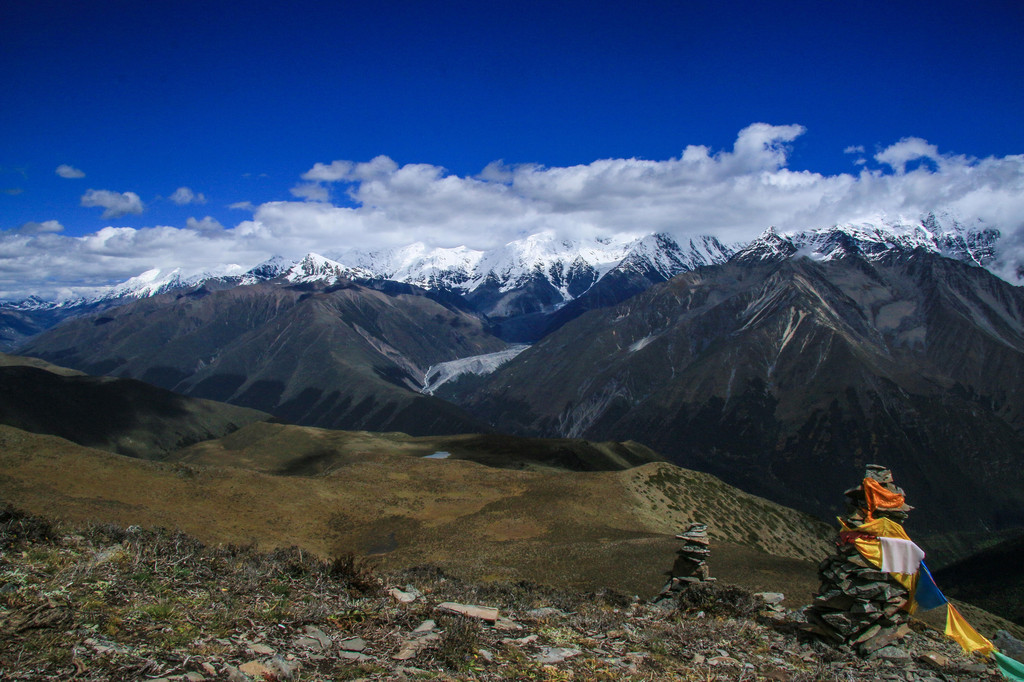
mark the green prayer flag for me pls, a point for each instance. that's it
(1011, 668)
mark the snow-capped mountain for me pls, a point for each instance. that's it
(561, 263)
(877, 239)
(540, 276)
(439, 268)
(317, 268)
(569, 268)
(275, 266)
(662, 254)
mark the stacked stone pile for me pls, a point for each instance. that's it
(691, 564)
(858, 604)
(856, 499)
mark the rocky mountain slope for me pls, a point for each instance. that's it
(786, 375)
(104, 602)
(119, 415)
(137, 603)
(317, 352)
(991, 579)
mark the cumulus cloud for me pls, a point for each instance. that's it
(207, 224)
(69, 172)
(184, 195)
(732, 193)
(328, 172)
(116, 204)
(854, 149)
(906, 150)
(311, 191)
(40, 228)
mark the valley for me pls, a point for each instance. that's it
(402, 419)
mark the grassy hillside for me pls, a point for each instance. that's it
(574, 529)
(305, 451)
(120, 415)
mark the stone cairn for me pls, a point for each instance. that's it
(857, 604)
(691, 564)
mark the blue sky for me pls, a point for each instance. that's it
(237, 101)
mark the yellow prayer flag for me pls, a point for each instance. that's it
(969, 638)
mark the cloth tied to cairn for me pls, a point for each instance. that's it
(879, 498)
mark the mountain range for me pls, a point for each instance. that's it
(786, 375)
(782, 366)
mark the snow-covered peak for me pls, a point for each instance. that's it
(877, 238)
(275, 266)
(316, 268)
(544, 254)
(159, 281)
(668, 258)
(770, 246)
(149, 283)
(418, 264)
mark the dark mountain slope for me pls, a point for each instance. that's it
(342, 356)
(991, 579)
(786, 377)
(120, 415)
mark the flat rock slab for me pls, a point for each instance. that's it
(319, 635)
(770, 597)
(485, 613)
(352, 644)
(356, 656)
(256, 670)
(417, 640)
(550, 655)
(307, 643)
(406, 596)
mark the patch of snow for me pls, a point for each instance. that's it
(442, 373)
(637, 345)
(440, 454)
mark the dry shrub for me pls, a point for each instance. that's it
(17, 526)
(719, 600)
(358, 574)
(460, 640)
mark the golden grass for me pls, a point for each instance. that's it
(572, 529)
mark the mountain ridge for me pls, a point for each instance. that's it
(797, 370)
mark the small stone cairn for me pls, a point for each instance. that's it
(857, 604)
(691, 564)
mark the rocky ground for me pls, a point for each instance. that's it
(109, 603)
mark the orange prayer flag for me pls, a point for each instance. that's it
(877, 496)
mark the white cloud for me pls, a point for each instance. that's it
(184, 195)
(70, 172)
(116, 204)
(311, 191)
(906, 150)
(733, 194)
(331, 172)
(243, 206)
(207, 224)
(854, 149)
(40, 228)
